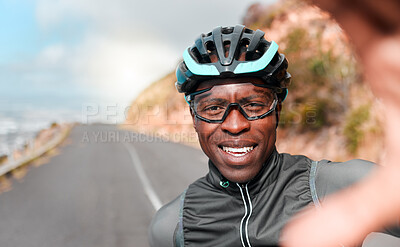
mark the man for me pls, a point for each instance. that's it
(235, 82)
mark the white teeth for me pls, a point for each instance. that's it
(237, 151)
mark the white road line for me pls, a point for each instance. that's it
(150, 192)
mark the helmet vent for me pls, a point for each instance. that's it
(260, 49)
(211, 50)
(227, 30)
(197, 55)
(245, 43)
(246, 30)
(275, 59)
(210, 47)
(227, 44)
(242, 49)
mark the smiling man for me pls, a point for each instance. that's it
(237, 146)
(235, 82)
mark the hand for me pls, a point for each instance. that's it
(347, 217)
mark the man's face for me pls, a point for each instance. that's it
(238, 147)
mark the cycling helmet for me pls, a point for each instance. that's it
(232, 52)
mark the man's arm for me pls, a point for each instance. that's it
(374, 28)
(332, 177)
(164, 224)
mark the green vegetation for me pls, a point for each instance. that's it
(353, 127)
(54, 125)
(320, 88)
(310, 115)
(314, 115)
(3, 158)
(269, 18)
(296, 40)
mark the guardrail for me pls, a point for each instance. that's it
(11, 165)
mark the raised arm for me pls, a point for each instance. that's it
(347, 217)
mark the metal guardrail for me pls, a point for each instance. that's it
(11, 165)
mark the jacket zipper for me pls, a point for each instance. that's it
(248, 208)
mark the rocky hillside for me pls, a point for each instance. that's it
(329, 112)
(161, 112)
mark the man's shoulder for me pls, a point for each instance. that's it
(164, 224)
(294, 160)
(334, 176)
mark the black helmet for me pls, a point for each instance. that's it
(232, 52)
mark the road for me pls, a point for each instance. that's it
(91, 194)
(102, 189)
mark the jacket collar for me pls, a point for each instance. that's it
(267, 175)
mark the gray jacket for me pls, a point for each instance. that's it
(209, 213)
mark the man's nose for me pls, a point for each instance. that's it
(235, 122)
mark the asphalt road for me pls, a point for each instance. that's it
(102, 189)
(91, 194)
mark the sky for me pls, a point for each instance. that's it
(113, 49)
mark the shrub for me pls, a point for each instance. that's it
(352, 129)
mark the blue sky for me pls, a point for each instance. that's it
(21, 35)
(18, 30)
(108, 48)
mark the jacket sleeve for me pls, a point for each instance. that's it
(334, 176)
(163, 225)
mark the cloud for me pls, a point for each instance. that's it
(118, 54)
(122, 67)
(124, 45)
(177, 22)
(52, 55)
